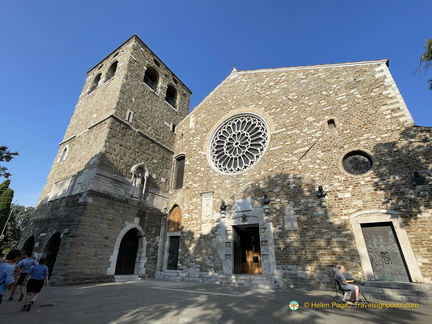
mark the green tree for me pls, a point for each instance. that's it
(426, 59)
(19, 219)
(6, 196)
(5, 156)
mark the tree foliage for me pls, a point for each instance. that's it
(6, 196)
(6, 156)
(19, 219)
(426, 59)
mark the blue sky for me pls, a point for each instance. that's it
(46, 48)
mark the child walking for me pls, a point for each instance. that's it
(36, 280)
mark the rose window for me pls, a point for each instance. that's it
(238, 143)
(357, 162)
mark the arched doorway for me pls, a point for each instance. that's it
(173, 238)
(29, 245)
(127, 253)
(51, 251)
(380, 235)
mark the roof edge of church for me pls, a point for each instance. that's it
(305, 67)
(310, 67)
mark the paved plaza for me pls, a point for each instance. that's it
(155, 301)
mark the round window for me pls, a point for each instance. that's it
(357, 162)
(238, 143)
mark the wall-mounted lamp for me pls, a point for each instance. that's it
(418, 179)
(222, 208)
(422, 188)
(321, 194)
(266, 204)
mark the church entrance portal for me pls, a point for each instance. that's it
(384, 251)
(127, 253)
(173, 249)
(246, 249)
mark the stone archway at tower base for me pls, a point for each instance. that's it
(141, 258)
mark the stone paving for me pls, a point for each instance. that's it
(156, 301)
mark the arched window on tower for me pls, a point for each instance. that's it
(140, 175)
(63, 154)
(95, 82)
(171, 96)
(111, 71)
(151, 78)
(179, 172)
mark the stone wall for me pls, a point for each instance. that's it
(101, 113)
(314, 116)
(301, 106)
(119, 123)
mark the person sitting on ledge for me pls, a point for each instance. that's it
(347, 284)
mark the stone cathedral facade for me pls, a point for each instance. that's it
(276, 176)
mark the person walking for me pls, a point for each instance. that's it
(25, 265)
(7, 271)
(37, 278)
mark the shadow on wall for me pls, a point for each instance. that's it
(64, 215)
(324, 238)
(395, 165)
(407, 193)
(305, 255)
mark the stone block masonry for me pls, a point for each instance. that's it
(278, 174)
(112, 171)
(316, 116)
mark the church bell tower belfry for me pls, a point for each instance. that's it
(100, 211)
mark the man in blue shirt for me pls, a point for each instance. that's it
(7, 269)
(25, 265)
(347, 284)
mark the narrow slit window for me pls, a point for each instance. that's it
(179, 174)
(331, 123)
(129, 116)
(63, 154)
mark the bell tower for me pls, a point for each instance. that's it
(108, 186)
